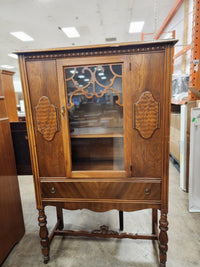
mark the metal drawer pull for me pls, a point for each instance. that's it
(147, 191)
(53, 190)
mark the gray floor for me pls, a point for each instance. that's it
(184, 235)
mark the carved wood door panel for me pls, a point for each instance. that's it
(43, 89)
(147, 86)
(94, 129)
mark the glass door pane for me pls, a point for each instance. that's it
(94, 96)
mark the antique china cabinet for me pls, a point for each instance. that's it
(98, 130)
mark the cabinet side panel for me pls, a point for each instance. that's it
(11, 222)
(43, 86)
(147, 98)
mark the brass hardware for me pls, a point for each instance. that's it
(63, 111)
(147, 191)
(53, 190)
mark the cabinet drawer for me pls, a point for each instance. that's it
(125, 190)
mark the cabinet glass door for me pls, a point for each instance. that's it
(95, 111)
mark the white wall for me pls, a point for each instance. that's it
(177, 24)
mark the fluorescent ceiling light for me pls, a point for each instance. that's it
(103, 77)
(81, 76)
(136, 26)
(7, 67)
(86, 80)
(22, 36)
(71, 32)
(13, 55)
(100, 73)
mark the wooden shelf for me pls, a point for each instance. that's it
(97, 132)
(97, 165)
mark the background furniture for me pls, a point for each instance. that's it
(21, 148)
(11, 222)
(98, 129)
(9, 94)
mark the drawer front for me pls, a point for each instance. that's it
(102, 190)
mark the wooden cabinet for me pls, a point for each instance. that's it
(98, 128)
(6, 78)
(11, 222)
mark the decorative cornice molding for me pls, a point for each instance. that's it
(103, 51)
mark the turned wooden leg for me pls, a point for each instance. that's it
(121, 220)
(154, 220)
(60, 217)
(163, 239)
(44, 235)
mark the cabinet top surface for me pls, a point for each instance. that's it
(102, 46)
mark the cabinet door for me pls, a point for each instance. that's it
(44, 99)
(147, 98)
(91, 95)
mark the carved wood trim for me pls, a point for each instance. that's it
(99, 51)
(93, 81)
(104, 232)
(146, 115)
(46, 118)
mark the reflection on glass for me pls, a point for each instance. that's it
(94, 96)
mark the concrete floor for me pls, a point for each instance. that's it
(184, 235)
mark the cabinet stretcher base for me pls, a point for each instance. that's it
(103, 232)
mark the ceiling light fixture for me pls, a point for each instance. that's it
(103, 77)
(71, 32)
(81, 76)
(7, 67)
(13, 55)
(100, 73)
(22, 36)
(136, 26)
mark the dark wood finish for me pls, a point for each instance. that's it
(163, 239)
(21, 147)
(87, 179)
(8, 91)
(11, 223)
(121, 220)
(60, 218)
(154, 220)
(44, 235)
(104, 232)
